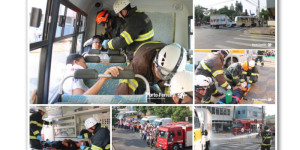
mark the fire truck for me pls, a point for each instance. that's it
(175, 136)
(246, 124)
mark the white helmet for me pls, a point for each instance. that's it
(181, 82)
(251, 63)
(202, 81)
(90, 122)
(170, 59)
(120, 5)
(43, 109)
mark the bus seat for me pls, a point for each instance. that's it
(92, 59)
(102, 67)
(105, 95)
(117, 59)
(104, 99)
(94, 51)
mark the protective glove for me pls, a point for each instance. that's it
(82, 147)
(249, 84)
(104, 43)
(79, 137)
(52, 122)
(39, 138)
(88, 42)
(48, 142)
(228, 87)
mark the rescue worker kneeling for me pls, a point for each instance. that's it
(100, 139)
(182, 87)
(202, 83)
(212, 66)
(236, 73)
(155, 61)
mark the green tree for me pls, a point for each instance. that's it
(199, 10)
(142, 109)
(264, 14)
(180, 113)
(238, 8)
(114, 114)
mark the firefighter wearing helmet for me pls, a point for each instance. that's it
(100, 139)
(252, 72)
(182, 87)
(157, 62)
(236, 73)
(36, 125)
(137, 28)
(212, 66)
(266, 138)
(113, 24)
(202, 83)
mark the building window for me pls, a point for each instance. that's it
(217, 111)
(254, 114)
(213, 110)
(239, 112)
(244, 111)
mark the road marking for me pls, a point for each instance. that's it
(253, 39)
(256, 36)
(223, 47)
(247, 44)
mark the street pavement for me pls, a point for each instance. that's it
(238, 142)
(123, 139)
(207, 37)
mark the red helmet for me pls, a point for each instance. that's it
(102, 16)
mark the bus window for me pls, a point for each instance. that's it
(35, 34)
(79, 43)
(69, 24)
(34, 57)
(60, 52)
(60, 13)
(83, 22)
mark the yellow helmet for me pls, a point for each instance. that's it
(245, 65)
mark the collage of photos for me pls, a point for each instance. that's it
(152, 74)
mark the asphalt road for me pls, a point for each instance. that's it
(239, 142)
(231, 38)
(123, 139)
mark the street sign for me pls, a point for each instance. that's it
(186, 119)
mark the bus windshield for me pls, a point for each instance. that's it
(237, 124)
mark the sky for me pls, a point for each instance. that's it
(270, 110)
(217, 4)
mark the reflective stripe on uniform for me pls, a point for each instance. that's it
(94, 147)
(263, 144)
(33, 137)
(267, 137)
(144, 44)
(36, 123)
(260, 55)
(36, 132)
(127, 37)
(103, 126)
(250, 81)
(85, 135)
(139, 11)
(206, 102)
(110, 46)
(224, 84)
(132, 83)
(146, 36)
(255, 74)
(227, 78)
(242, 80)
(204, 66)
(244, 72)
(215, 92)
(218, 72)
(107, 146)
(235, 77)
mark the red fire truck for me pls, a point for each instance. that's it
(175, 136)
(246, 124)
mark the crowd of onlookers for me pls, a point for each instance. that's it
(269, 53)
(147, 130)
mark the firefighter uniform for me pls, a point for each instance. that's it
(142, 64)
(266, 139)
(100, 138)
(36, 125)
(117, 26)
(137, 30)
(254, 74)
(260, 57)
(235, 75)
(212, 66)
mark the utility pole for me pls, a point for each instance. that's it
(263, 114)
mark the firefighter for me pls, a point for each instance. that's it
(260, 57)
(137, 28)
(100, 139)
(36, 125)
(182, 87)
(266, 138)
(253, 73)
(202, 83)
(212, 66)
(236, 73)
(155, 61)
(113, 24)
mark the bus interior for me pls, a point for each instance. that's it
(58, 28)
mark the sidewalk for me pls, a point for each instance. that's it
(261, 30)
